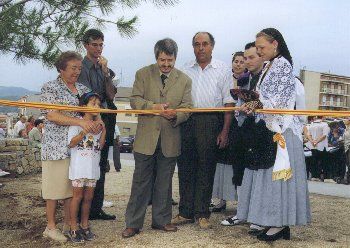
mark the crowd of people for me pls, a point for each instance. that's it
(256, 159)
(27, 128)
(327, 149)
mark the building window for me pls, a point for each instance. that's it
(126, 129)
(127, 107)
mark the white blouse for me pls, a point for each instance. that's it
(277, 90)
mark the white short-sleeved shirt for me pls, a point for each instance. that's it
(18, 127)
(300, 98)
(85, 157)
(211, 85)
(318, 129)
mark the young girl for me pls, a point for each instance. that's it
(84, 168)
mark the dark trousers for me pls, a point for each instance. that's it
(347, 158)
(116, 156)
(309, 165)
(197, 164)
(319, 163)
(142, 185)
(97, 201)
(337, 163)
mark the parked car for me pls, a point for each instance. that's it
(125, 144)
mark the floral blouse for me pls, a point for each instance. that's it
(277, 90)
(55, 137)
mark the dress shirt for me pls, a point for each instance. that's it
(300, 99)
(18, 127)
(211, 85)
(92, 77)
(318, 129)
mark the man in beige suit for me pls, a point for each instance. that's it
(157, 144)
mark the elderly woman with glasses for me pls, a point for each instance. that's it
(54, 152)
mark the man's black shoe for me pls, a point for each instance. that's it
(102, 216)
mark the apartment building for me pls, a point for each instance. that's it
(325, 91)
(127, 123)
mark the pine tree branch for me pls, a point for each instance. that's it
(4, 11)
(4, 2)
(40, 30)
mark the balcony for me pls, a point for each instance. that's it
(333, 91)
(334, 80)
(333, 104)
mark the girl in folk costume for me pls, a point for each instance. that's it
(276, 193)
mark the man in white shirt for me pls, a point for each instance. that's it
(19, 126)
(318, 143)
(203, 133)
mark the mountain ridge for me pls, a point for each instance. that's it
(15, 91)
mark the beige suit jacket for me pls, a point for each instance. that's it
(148, 90)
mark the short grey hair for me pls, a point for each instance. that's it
(167, 46)
(62, 60)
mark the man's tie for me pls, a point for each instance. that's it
(163, 77)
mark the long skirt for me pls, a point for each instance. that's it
(277, 203)
(223, 187)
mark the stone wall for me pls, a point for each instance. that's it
(18, 157)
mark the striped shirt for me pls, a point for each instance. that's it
(210, 86)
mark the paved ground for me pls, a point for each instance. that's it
(322, 188)
(332, 189)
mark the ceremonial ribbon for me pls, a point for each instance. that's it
(281, 169)
(62, 107)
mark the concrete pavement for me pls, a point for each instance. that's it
(322, 188)
(332, 189)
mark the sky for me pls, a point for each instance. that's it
(317, 33)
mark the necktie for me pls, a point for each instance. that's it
(163, 77)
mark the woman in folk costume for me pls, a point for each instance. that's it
(274, 188)
(223, 187)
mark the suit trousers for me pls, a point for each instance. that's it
(197, 164)
(142, 185)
